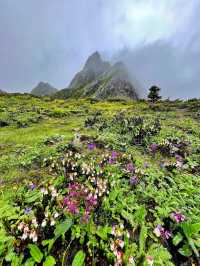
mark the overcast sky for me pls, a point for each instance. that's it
(48, 40)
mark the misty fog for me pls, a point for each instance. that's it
(50, 40)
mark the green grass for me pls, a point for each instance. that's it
(40, 128)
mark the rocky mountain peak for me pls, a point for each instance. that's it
(101, 80)
(93, 60)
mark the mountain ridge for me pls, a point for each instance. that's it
(100, 80)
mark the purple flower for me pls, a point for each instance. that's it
(134, 180)
(91, 201)
(111, 161)
(72, 207)
(32, 186)
(167, 234)
(91, 146)
(162, 165)
(153, 147)
(178, 217)
(114, 155)
(130, 168)
(179, 158)
(27, 210)
(160, 231)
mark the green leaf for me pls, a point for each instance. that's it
(177, 239)
(142, 239)
(192, 245)
(50, 261)
(29, 262)
(185, 251)
(11, 254)
(17, 261)
(139, 215)
(79, 259)
(190, 229)
(62, 228)
(35, 253)
(129, 217)
(102, 232)
(49, 242)
(197, 242)
(33, 196)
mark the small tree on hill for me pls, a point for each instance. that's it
(154, 94)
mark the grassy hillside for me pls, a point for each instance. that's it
(99, 183)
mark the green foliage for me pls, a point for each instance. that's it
(35, 253)
(79, 259)
(62, 228)
(50, 261)
(113, 206)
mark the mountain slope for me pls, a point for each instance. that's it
(100, 80)
(43, 89)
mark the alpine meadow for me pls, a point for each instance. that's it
(104, 171)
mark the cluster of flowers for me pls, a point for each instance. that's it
(133, 172)
(50, 191)
(100, 184)
(80, 197)
(49, 219)
(110, 158)
(117, 245)
(160, 231)
(29, 230)
(171, 147)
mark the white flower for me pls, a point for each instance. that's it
(21, 226)
(33, 236)
(52, 222)
(120, 243)
(113, 232)
(51, 188)
(157, 231)
(26, 229)
(24, 236)
(34, 222)
(121, 226)
(71, 177)
(54, 193)
(44, 191)
(131, 259)
(112, 246)
(56, 215)
(44, 223)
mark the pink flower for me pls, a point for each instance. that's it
(178, 217)
(159, 231)
(167, 234)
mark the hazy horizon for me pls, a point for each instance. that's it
(50, 41)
